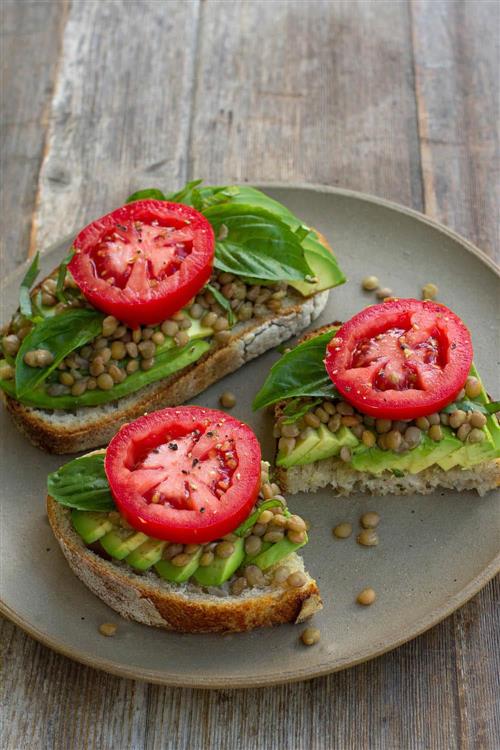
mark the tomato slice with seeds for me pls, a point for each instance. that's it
(144, 261)
(402, 359)
(184, 474)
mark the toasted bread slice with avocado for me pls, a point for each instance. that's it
(183, 606)
(316, 461)
(69, 431)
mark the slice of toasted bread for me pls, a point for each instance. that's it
(59, 431)
(344, 480)
(186, 608)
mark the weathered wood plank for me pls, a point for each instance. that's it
(121, 110)
(457, 59)
(477, 648)
(317, 91)
(285, 90)
(37, 27)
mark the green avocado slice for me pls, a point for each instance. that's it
(222, 568)
(276, 552)
(119, 542)
(91, 526)
(177, 574)
(146, 555)
(302, 447)
(430, 452)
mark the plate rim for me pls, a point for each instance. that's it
(437, 615)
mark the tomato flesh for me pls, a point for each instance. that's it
(184, 474)
(144, 261)
(401, 359)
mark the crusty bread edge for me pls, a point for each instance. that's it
(344, 481)
(152, 601)
(248, 343)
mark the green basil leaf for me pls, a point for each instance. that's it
(493, 407)
(295, 409)
(166, 364)
(147, 194)
(25, 305)
(60, 334)
(61, 276)
(300, 372)
(256, 244)
(223, 302)
(82, 484)
(252, 519)
(186, 194)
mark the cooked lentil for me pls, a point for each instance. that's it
(367, 538)
(342, 530)
(310, 636)
(296, 580)
(430, 291)
(108, 629)
(370, 283)
(370, 520)
(366, 597)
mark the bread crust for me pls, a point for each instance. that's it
(95, 426)
(152, 601)
(332, 472)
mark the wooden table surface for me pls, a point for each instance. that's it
(399, 99)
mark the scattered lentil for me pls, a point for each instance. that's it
(367, 538)
(472, 387)
(366, 597)
(310, 636)
(476, 436)
(370, 283)
(477, 419)
(342, 530)
(108, 629)
(435, 432)
(296, 580)
(430, 291)
(370, 520)
(384, 292)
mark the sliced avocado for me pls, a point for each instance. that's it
(470, 454)
(119, 542)
(177, 574)
(276, 552)
(90, 525)
(430, 452)
(146, 555)
(323, 265)
(222, 568)
(375, 460)
(250, 558)
(328, 445)
(196, 331)
(302, 446)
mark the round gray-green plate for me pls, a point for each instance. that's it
(435, 552)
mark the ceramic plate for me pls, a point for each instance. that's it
(435, 552)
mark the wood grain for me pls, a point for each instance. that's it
(319, 92)
(121, 109)
(25, 98)
(457, 59)
(395, 98)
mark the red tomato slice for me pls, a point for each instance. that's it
(401, 359)
(184, 474)
(144, 261)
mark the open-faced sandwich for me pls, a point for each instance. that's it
(177, 525)
(389, 402)
(156, 301)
